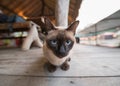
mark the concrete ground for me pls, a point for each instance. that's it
(90, 66)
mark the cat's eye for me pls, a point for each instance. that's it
(54, 42)
(45, 33)
(68, 42)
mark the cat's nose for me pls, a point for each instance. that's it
(62, 51)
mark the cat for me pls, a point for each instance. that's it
(44, 28)
(58, 45)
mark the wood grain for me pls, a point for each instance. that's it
(90, 66)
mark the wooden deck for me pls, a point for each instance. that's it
(90, 66)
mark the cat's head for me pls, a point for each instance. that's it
(60, 40)
(45, 25)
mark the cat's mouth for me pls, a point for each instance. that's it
(61, 55)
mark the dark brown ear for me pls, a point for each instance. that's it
(72, 27)
(48, 24)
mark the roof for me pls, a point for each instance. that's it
(109, 22)
(33, 10)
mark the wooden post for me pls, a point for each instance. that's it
(61, 12)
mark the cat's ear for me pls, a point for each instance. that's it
(72, 27)
(48, 24)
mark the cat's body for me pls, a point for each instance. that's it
(58, 46)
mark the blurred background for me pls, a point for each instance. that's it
(99, 20)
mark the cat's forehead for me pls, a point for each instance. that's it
(55, 33)
(60, 34)
(58, 30)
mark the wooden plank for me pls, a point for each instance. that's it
(107, 81)
(23, 5)
(52, 81)
(86, 61)
(8, 9)
(90, 66)
(13, 37)
(16, 27)
(13, 81)
(31, 8)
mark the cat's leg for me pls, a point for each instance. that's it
(65, 66)
(51, 68)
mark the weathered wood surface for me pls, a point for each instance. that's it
(90, 66)
(47, 81)
(86, 61)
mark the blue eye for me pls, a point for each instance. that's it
(54, 42)
(68, 42)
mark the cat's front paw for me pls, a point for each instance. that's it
(69, 59)
(65, 66)
(51, 68)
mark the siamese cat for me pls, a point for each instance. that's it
(58, 45)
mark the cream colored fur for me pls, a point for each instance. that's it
(32, 37)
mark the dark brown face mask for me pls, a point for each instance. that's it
(60, 43)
